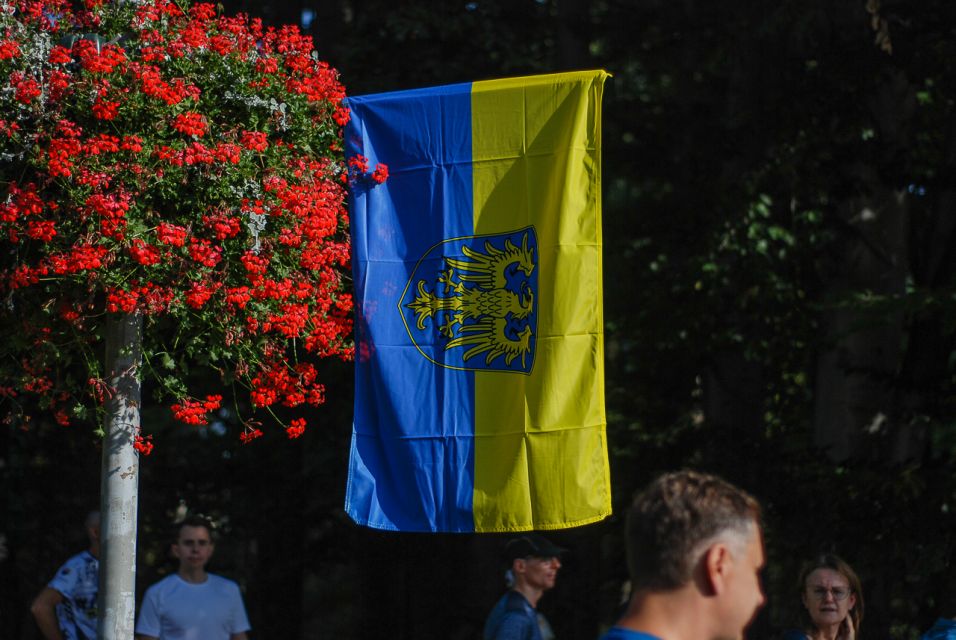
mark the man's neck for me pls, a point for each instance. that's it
(531, 594)
(193, 576)
(673, 615)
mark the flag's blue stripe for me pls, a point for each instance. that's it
(419, 414)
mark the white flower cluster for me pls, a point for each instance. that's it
(255, 102)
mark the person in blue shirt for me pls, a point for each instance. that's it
(944, 629)
(533, 563)
(695, 551)
(66, 608)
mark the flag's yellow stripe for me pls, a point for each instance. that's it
(540, 450)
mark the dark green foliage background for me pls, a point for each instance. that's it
(779, 296)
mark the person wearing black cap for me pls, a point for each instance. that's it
(533, 563)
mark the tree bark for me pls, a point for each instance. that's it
(855, 376)
(120, 480)
(573, 27)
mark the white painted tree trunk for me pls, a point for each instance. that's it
(119, 486)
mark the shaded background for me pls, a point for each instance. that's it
(780, 307)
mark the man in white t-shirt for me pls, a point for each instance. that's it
(192, 604)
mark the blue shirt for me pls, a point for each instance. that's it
(512, 618)
(617, 633)
(77, 581)
(943, 630)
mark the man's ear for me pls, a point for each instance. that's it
(174, 550)
(717, 564)
(518, 565)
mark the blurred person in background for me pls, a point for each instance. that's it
(533, 564)
(832, 600)
(66, 608)
(193, 604)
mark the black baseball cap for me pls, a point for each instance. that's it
(531, 545)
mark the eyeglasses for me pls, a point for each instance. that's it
(839, 593)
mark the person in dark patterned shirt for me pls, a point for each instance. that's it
(66, 608)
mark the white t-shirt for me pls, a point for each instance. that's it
(174, 609)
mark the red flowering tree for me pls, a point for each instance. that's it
(171, 194)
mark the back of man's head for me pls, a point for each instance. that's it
(91, 524)
(676, 518)
(92, 520)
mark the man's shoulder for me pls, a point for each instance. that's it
(81, 559)
(514, 601)
(81, 567)
(162, 584)
(512, 616)
(220, 582)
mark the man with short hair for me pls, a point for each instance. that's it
(192, 604)
(66, 608)
(695, 552)
(533, 563)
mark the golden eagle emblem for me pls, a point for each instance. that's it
(481, 300)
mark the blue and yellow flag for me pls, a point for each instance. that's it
(479, 381)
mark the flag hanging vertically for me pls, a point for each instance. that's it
(479, 382)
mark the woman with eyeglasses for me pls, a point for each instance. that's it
(832, 600)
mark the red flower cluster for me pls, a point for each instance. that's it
(147, 184)
(171, 234)
(254, 140)
(293, 386)
(359, 172)
(193, 411)
(192, 124)
(380, 174)
(145, 254)
(97, 58)
(143, 444)
(249, 434)
(296, 428)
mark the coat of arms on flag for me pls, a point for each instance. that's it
(477, 310)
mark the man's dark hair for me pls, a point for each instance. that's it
(193, 521)
(672, 520)
(92, 519)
